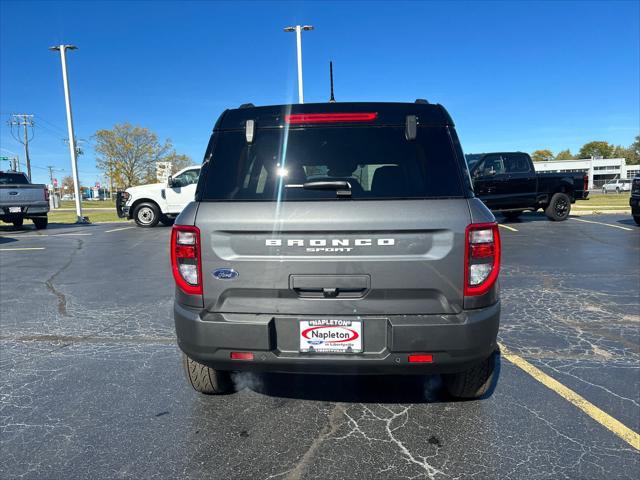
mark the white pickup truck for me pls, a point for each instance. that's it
(20, 199)
(159, 202)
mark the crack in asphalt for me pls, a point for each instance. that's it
(62, 299)
(335, 414)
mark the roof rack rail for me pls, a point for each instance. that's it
(247, 105)
(422, 100)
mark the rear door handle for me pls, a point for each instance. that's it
(330, 286)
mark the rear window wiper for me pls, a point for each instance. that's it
(342, 187)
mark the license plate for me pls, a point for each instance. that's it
(330, 336)
(15, 209)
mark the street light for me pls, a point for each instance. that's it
(298, 29)
(72, 139)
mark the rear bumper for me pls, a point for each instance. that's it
(39, 209)
(455, 341)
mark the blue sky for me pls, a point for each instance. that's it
(514, 75)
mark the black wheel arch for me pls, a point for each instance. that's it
(565, 187)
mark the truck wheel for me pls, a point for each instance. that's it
(636, 219)
(40, 222)
(206, 380)
(146, 215)
(604, 191)
(512, 215)
(18, 222)
(618, 190)
(472, 383)
(167, 221)
(559, 207)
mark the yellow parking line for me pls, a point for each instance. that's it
(605, 224)
(118, 229)
(604, 419)
(20, 249)
(508, 227)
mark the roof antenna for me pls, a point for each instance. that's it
(332, 99)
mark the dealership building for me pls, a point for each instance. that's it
(600, 170)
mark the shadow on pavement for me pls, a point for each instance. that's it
(628, 221)
(524, 218)
(387, 389)
(28, 227)
(4, 240)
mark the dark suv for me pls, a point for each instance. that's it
(339, 238)
(634, 201)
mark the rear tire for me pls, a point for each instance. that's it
(206, 380)
(604, 191)
(618, 190)
(636, 218)
(17, 223)
(40, 222)
(512, 215)
(474, 382)
(146, 215)
(559, 207)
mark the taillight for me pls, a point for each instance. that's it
(481, 258)
(307, 118)
(46, 194)
(185, 259)
(586, 182)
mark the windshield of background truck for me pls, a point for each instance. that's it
(378, 162)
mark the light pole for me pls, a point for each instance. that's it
(72, 139)
(298, 29)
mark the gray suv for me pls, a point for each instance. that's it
(337, 238)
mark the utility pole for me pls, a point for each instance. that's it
(50, 167)
(298, 29)
(72, 139)
(23, 120)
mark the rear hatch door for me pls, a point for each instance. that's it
(393, 245)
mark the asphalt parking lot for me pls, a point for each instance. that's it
(91, 384)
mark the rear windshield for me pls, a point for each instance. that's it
(13, 179)
(378, 163)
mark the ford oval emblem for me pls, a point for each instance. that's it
(225, 274)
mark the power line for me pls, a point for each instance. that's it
(23, 120)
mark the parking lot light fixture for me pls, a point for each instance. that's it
(72, 139)
(298, 29)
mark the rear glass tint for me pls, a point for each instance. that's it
(378, 162)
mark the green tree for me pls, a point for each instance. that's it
(565, 155)
(542, 155)
(128, 154)
(596, 149)
(621, 152)
(634, 150)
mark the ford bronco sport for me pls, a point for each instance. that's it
(339, 238)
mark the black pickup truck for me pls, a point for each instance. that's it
(507, 182)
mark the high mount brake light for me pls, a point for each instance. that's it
(481, 258)
(186, 261)
(308, 118)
